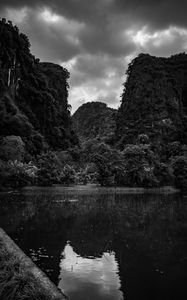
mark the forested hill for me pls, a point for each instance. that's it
(141, 144)
(154, 100)
(94, 120)
(33, 95)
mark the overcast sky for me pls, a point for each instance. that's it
(96, 39)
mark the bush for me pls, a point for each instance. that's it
(179, 166)
(143, 139)
(16, 174)
(105, 177)
(68, 175)
(87, 174)
(163, 174)
(12, 148)
(139, 165)
(48, 169)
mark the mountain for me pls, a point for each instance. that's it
(94, 120)
(33, 95)
(154, 101)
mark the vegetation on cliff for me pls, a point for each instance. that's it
(33, 95)
(154, 101)
(34, 110)
(94, 120)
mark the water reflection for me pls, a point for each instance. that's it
(121, 245)
(89, 278)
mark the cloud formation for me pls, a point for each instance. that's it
(95, 40)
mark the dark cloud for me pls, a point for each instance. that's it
(89, 67)
(158, 12)
(50, 40)
(96, 39)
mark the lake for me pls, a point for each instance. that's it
(103, 243)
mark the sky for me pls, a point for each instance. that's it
(96, 39)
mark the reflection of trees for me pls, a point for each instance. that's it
(14, 210)
(37, 224)
(148, 223)
(143, 232)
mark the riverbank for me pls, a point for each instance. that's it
(94, 188)
(20, 279)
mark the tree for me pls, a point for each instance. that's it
(139, 165)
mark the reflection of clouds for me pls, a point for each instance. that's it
(95, 278)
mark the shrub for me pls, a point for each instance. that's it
(163, 174)
(48, 169)
(143, 139)
(87, 174)
(12, 148)
(68, 175)
(105, 177)
(139, 164)
(179, 166)
(16, 174)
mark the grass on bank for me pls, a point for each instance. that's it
(17, 283)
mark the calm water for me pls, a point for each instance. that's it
(98, 244)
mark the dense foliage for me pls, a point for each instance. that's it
(94, 120)
(179, 165)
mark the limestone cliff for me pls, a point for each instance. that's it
(94, 120)
(154, 100)
(33, 95)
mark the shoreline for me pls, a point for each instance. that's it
(94, 188)
(20, 277)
